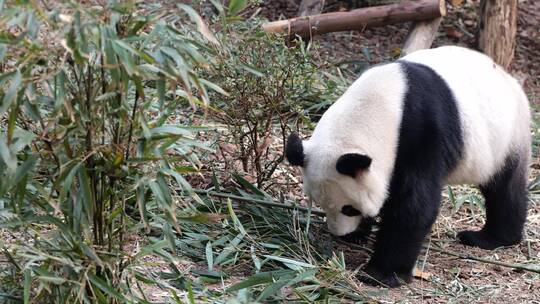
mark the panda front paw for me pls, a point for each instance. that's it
(373, 276)
(362, 233)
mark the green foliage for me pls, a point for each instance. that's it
(271, 84)
(279, 259)
(88, 136)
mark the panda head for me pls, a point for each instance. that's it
(339, 179)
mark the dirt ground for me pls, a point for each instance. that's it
(445, 278)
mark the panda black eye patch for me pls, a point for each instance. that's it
(349, 210)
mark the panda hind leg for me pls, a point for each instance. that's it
(506, 208)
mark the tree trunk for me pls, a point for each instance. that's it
(497, 30)
(359, 19)
(310, 7)
(421, 36)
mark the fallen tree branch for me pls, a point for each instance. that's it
(359, 19)
(531, 268)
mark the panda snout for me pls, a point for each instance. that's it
(349, 210)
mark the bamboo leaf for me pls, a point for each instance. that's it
(201, 25)
(209, 256)
(105, 287)
(126, 60)
(26, 288)
(249, 186)
(262, 278)
(174, 55)
(11, 93)
(292, 264)
(89, 252)
(272, 289)
(134, 51)
(169, 129)
(235, 6)
(157, 246)
(25, 168)
(141, 204)
(3, 50)
(213, 86)
(276, 287)
(252, 70)
(7, 156)
(255, 259)
(22, 138)
(85, 189)
(190, 293)
(235, 219)
(48, 277)
(203, 218)
(229, 249)
(60, 89)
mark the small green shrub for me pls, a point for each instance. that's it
(270, 84)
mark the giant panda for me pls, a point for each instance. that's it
(402, 131)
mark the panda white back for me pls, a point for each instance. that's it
(494, 110)
(494, 123)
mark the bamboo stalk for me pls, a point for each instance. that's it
(261, 202)
(359, 19)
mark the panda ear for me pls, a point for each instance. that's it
(294, 150)
(350, 163)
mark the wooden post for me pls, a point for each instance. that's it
(421, 36)
(310, 7)
(359, 19)
(497, 30)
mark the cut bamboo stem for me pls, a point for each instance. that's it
(359, 19)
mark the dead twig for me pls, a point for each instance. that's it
(532, 268)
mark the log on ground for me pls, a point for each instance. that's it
(359, 19)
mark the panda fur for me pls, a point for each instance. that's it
(402, 131)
